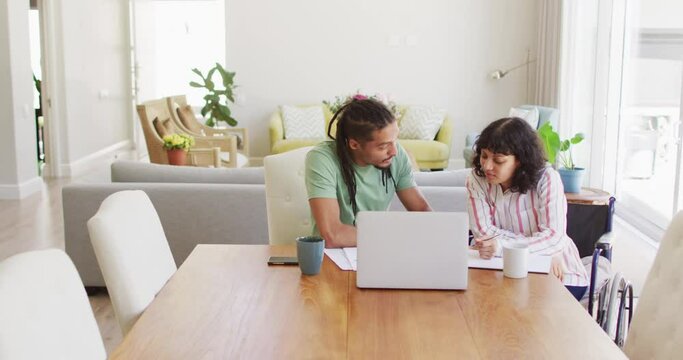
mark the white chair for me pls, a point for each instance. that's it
(289, 215)
(132, 251)
(656, 331)
(44, 311)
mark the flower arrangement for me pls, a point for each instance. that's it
(339, 101)
(178, 141)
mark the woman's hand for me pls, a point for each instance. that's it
(487, 246)
(557, 266)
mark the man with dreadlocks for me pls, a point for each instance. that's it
(360, 170)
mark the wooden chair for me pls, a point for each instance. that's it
(184, 117)
(156, 122)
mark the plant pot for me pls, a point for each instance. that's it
(572, 179)
(176, 156)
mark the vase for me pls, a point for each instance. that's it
(176, 156)
(572, 179)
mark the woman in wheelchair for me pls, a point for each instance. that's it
(514, 197)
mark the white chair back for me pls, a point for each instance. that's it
(289, 214)
(44, 311)
(132, 251)
(655, 329)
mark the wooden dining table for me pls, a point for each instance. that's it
(226, 302)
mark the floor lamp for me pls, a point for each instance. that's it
(499, 74)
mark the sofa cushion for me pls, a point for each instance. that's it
(426, 150)
(454, 178)
(285, 145)
(139, 172)
(421, 123)
(531, 116)
(164, 127)
(303, 122)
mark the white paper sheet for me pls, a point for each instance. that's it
(339, 257)
(537, 263)
(352, 256)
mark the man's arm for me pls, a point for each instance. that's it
(412, 199)
(326, 214)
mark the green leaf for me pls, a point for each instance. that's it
(565, 145)
(224, 111)
(230, 96)
(210, 74)
(196, 84)
(206, 109)
(577, 138)
(550, 140)
(196, 71)
(210, 85)
(231, 121)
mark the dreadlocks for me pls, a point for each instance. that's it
(357, 119)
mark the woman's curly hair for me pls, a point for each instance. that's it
(513, 136)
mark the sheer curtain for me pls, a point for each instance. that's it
(549, 46)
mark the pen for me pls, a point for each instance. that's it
(489, 238)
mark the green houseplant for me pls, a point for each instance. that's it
(218, 99)
(176, 146)
(560, 150)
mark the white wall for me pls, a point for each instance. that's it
(303, 51)
(19, 174)
(660, 14)
(92, 78)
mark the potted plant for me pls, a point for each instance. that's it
(177, 146)
(560, 150)
(217, 100)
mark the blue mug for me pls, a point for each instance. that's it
(309, 251)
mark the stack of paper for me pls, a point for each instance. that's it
(345, 258)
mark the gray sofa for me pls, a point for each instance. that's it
(205, 206)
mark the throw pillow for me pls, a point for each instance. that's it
(529, 115)
(164, 127)
(421, 123)
(187, 118)
(303, 122)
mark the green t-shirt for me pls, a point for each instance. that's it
(324, 180)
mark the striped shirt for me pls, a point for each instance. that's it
(537, 218)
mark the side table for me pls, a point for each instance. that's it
(589, 216)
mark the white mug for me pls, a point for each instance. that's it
(516, 261)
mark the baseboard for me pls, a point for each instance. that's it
(86, 164)
(22, 190)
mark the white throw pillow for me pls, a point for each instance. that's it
(421, 123)
(303, 122)
(531, 116)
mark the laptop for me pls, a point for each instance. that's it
(412, 250)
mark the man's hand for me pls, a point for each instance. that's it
(413, 200)
(326, 214)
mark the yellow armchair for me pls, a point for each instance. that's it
(429, 154)
(278, 142)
